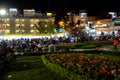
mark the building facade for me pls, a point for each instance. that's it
(21, 25)
(15, 23)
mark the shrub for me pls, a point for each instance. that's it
(62, 71)
(91, 66)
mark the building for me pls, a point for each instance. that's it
(83, 16)
(28, 12)
(72, 17)
(13, 12)
(15, 23)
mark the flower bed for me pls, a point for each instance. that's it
(95, 67)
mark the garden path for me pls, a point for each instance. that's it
(105, 48)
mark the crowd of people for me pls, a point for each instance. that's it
(33, 44)
(38, 44)
(28, 45)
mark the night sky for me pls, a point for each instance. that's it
(93, 7)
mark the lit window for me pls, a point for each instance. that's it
(46, 20)
(22, 24)
(17, 24)
(20, 31)
(7, 31)
(23, 30)
(37, 31)
(17, 31)
(32, 31)
(36, 20)
(17, 20)
(31, 25)
(23, 20)
(7, 24)
(31, 20)
(7, 19)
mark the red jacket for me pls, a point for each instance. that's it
(115, 42)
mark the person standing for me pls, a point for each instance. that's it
(54, 45)
(115, 42)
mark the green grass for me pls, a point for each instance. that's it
(31, 68)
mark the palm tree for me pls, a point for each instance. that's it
(45, 27)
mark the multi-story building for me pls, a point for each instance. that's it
(14, 23)
(28, 12)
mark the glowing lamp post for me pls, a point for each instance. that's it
(2, 12)
(62, 24)
(98, 22)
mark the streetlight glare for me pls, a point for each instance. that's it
(2, 12)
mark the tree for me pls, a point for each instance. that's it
(45, 27)
(51, 27)
(79, 32)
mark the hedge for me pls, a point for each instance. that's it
(62, 71)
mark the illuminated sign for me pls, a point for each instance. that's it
(49, 14)
(113, 14)
(13, 9)
(28, 10)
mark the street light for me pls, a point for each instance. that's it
(2, 12)
(98, 22)
(61, 24)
